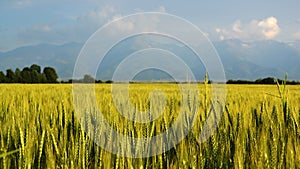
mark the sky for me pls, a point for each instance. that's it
(28, 22)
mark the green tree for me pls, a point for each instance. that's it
(269, 80)
(50, 74)
(26, 75)
(30, 74)
(36, 68)
(88, 79)
(18, 76)
(43, 78)
(35, 76)
(35, 73)
(2, 77)
(10, 75)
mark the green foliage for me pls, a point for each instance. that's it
(35, 68)
(29, 75)
(26, 75)
(50, 74)
(2, 77)
(88, 79)
(4, 155)
(267, 80)
(10, 76)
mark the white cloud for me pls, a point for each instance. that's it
(237, 26)
(97, 16)
(41, 28)
(139, 22)
(270, 27)
(297, 35)
(39, 34)
(254, 30)
(162, 9)
(21, 3)
(122, 25)
(221, 37)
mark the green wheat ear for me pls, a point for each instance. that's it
(9, 153)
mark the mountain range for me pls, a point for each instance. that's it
(241, 60)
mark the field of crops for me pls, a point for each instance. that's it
(39, 128)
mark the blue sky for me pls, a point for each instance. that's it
(26, 22)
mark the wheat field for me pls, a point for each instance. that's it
(259, 128)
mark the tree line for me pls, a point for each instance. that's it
(86, 79)
(268, 80)
(32, 74)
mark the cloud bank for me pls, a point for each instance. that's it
(255, 30)
(82, 27)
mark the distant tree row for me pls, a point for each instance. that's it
(32, 74)
(268, 80)
(86, 79)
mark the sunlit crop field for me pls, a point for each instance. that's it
(259, 128)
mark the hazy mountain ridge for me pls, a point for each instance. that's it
(241, 60)
(272, 58)
(61, 57)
